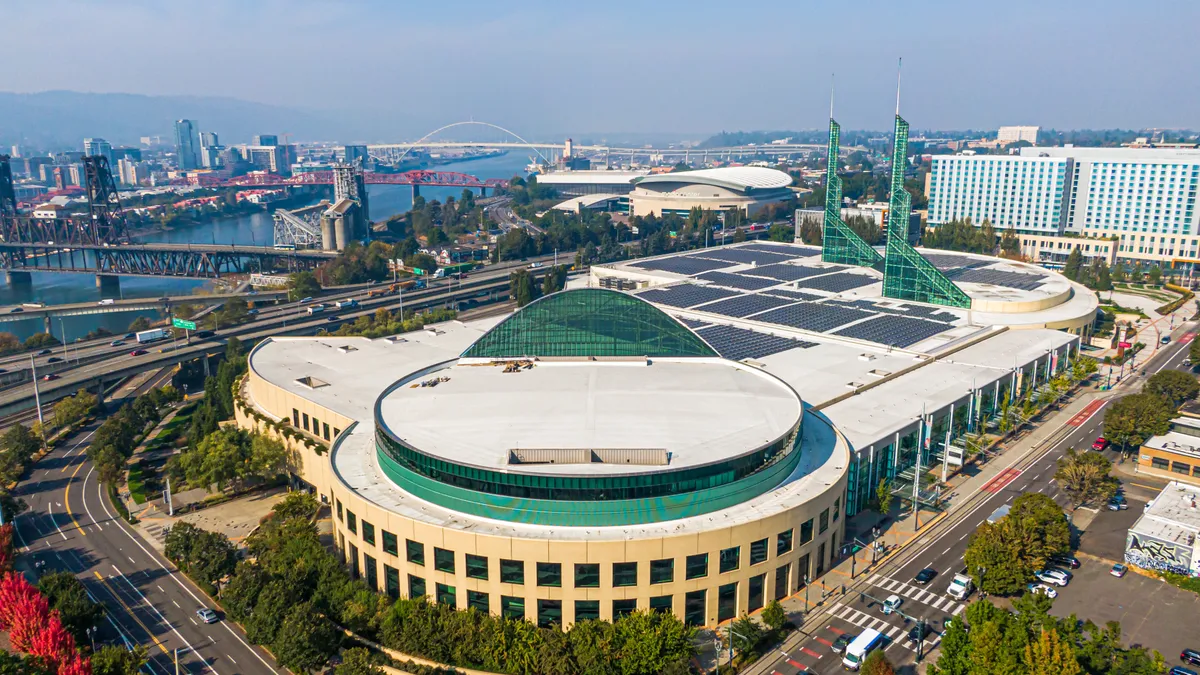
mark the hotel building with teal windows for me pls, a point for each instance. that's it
(693, 444)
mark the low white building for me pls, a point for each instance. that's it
(1164, 538)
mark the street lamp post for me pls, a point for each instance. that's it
(806, 582)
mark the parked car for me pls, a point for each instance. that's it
(138, 352)
(1180, 670)
(1042, 589)
(1118, 570)
(207, 615)
(839, 644)
(925, 576)
(1115, 505)
(891, 604)
(1051, 576)
(1191, 656)
(1065, 561)
(1100, 444)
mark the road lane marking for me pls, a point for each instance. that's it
(164, 619)
(160, 588)
(175, 603)
(87, 509)
(67, 498)
(76, 447)
(50, 507)
(193, 621)
(964, 536)
(231, 659)
(946, 551)
(130, 612)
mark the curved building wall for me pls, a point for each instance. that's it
(644, 201)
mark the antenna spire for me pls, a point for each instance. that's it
(831, 95)
(899, 63)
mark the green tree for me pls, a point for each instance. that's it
(139, 324)
(41, 341)
(65, 593)
(993, 560)
(774, 616)
(305, 640)
(73, 408)
(1010, 243)
(1049, 655)
(1085, 477)
(357, 661)
(240, 595)
(521, 288)
(1155, 275)
(745, 634)
(883, 495)
(1172, 386)
(877, 663)
(1133, 419)
(115, 660)
(205, 556)
(269, 612)
(1074, 262)
(1194, 352)
(303, 285)
(1044, 525)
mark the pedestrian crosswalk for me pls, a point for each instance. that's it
(921, 595)
(896, 635)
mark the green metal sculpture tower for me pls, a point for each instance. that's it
(906, 274)
(839, 243)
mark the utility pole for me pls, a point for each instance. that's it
(37, 399)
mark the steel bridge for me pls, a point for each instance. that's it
(159, 260)
(416, 179)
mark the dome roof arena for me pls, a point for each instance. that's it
(738, 178)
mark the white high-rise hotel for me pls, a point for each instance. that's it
(1144, 197)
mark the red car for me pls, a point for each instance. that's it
(50, 377)
(137, 352)
(1100, 444)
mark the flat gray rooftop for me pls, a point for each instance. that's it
(698, 410)
(1173, 516)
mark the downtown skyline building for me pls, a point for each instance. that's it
(185, 144)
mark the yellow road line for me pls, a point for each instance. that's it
(1154, 489)
(130, 611)
(67, 500)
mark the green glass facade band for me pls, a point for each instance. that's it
(906, 274)
(589, 322)
(839, 243)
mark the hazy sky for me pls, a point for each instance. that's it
(543, 68)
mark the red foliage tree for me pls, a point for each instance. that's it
(30, 618)
(6, 548)
(14, 590)
(76, 666)
(53, 644)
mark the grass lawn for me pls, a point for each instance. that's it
(136, 484)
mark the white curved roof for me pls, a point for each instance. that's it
(737, 177)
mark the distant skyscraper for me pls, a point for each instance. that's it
(267, 139)
(209, 139)
(97, 146)
(1014, 134)
(16, 151)
(356, 153)
(185, 144)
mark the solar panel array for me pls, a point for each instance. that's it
(745, 305)
(737, 281)
(837, 283)
(815, 316)
(949, 261)
(740, 255)
(796, 295)
(685, 295)
(784, 272)
(897, 331)
(784, 249)
(681, 265)
(736, 344)
(933, 313)
(1017, 280)
(692, 323)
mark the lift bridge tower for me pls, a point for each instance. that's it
(331, 226)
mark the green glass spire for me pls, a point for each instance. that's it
(839, 243)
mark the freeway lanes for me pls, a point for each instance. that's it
(70, 525)
(942, 547)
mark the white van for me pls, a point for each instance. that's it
(867, 641)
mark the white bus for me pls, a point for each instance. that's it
(867, 641)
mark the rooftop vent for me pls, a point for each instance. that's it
(395, 339)
(346, 349)
(311, 382)
(638, 456)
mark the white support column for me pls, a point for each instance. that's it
(946, 446)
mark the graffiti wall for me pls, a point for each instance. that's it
(1153, 554)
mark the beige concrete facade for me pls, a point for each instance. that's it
(645, 202)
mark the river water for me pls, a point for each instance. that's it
(254, 229)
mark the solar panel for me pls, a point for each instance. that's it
(815, 316)
(837, 283)
(795, 295)
(737, 281)
(685, 295)
(688, 265)
(931, 313)
(949, 261)
(745, 305)
(1017, 280)
(739, 255)
(784, 272)
(784, 249)
(895, 331)
(692, 323)
(736, 344)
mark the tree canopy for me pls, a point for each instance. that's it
(1132, 419)
(1173, 386)
(1002, 556)
(1085, 477)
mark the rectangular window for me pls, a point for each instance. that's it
(820, 559)
(758, 551)
(623, 608)
(368, 533)
(295, 417)
(447, 595)
(372, 572)
(304, 416)
(391, 581)
(726, 602)
(477, 567)
(325, 428)
(806, 532)
(351, 521)
(512, 607)
(731, 559)
(339, 508)
(414, 551)
(697, 566)
(693, 608)
(390, 543)
(549, 613)
(512, 572)
(824, 522)
(549, 574)
(587, 575)
(662, 603)
(837, 505)
(416, 587)
(478, 601)
(781, 581)
(803, 573)
(783, 542)
(587, 610)
(316, 427)
(354, 567)
(1159, 463)
(1180, 467)
(755, 601)
(443, 560)
(662, 571)
(625, 574)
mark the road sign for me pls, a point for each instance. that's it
(183, 323)
(1124, 345)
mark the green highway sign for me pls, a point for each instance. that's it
(182, 323)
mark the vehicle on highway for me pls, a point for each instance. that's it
(867, 641)
(332, 318)
(44, 352)
(925, 576)
(152, 335)
(116, 343)
(129, 336)
(1118, 570)
(1065, 561)
(304, 300)
(203, 334)
(252, 312)
(842, 641)
(1191, 656)
(960, 587)
(50, 377)
(35, 305)
(316, 309)
(15, 310)
(207, 615)
(1114, 505)
(534, 265)
(347, 303)
(54, 359)
(891, 604)
(107, 301)
(919, 632)
(1100, 444)
(3, 370)
(138, 352)
(1053, 576)
(999, 513)
(1042, 589)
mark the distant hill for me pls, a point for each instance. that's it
(62, 119)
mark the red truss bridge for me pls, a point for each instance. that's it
(416, 178)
